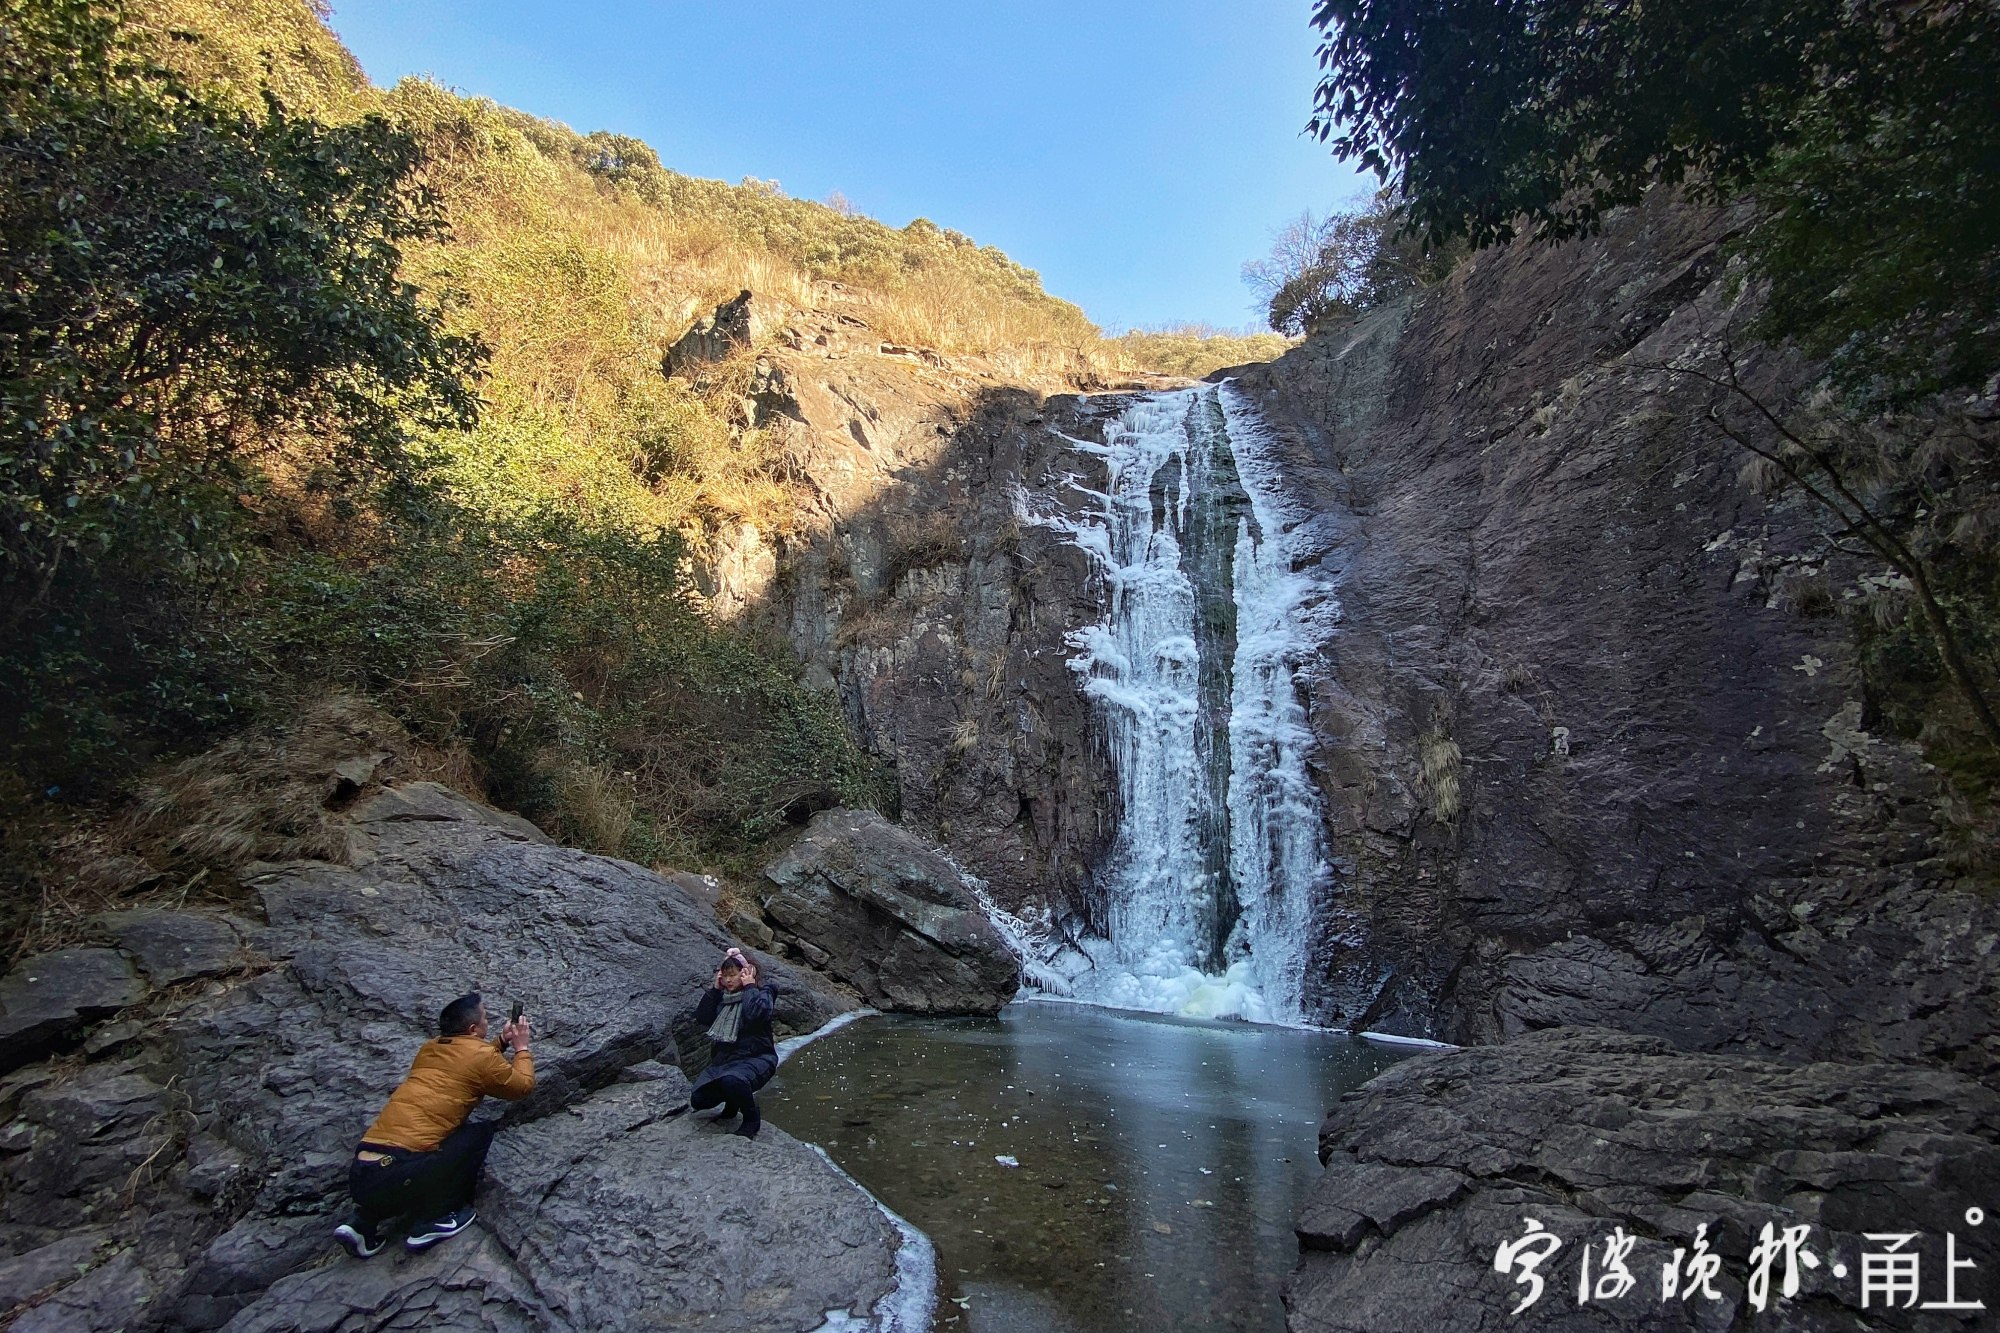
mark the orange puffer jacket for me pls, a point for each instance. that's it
(447, 1079)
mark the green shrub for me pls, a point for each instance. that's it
(197, 300)
(242, 461)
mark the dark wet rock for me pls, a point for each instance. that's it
(764, 1233)
(82, 1140)
(751, 929)
(108, 1299)
(48, 1000)
(49, 1265)
(469, 1282)
(617, 1213)
(237, 1267)
(649, 1071)
(889, 915)
(113, 1037)
(1371, 1195)
(1435, 1163)
(176, 946)
(214, 1167)
(435, 803)
(22, 1081)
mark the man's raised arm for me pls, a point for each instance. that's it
(510, 1080)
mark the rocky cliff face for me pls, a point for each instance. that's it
(1594, 740)
(1593, 746)
(918, 591)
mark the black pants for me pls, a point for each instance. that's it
(420, 1186)
(736, 1096)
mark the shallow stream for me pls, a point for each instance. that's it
(1082, 1169)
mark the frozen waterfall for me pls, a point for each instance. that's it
(1221, 854)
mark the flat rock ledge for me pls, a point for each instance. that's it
(183, 1166)
(890, 915)
(617, 1214)
(1436, 1163)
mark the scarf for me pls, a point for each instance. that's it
(723, 1029)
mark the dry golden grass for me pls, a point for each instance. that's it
(580, 258)
(593, 808)
(1443, 772)
(267, 794)
(1192, 350)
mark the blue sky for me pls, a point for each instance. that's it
(1134, 154)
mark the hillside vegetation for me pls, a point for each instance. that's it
(360, 394)
(1194, 350)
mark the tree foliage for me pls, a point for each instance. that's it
(184, 286)
(1868, 129)
(1323, 269)
(242, 460)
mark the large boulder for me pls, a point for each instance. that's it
(619, 1213)
(208, 1161)
(888, 914)
(1436, 1163)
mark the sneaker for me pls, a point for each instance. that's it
(449, 1225)
(359, 1240)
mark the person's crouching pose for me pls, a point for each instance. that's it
(420, 1160)
(742, 1056)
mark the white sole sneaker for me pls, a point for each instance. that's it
(357, 1244)
(437, 1231)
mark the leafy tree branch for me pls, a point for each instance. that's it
(1814, 465)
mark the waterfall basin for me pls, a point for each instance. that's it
(1083, 1170)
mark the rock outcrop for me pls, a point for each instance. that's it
(919, 587)
(887, 914)
(1595, 746)
(615, 1213)
(194, 1168)
(729, 329)
(1438, 1162)
(46, 1001)
(1597, 749)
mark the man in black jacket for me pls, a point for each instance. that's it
(742, 1056)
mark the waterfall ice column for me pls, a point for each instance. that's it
(1142, 666)
(1220, 855)
(1278, 852)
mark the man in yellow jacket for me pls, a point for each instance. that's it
(421, 1160)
